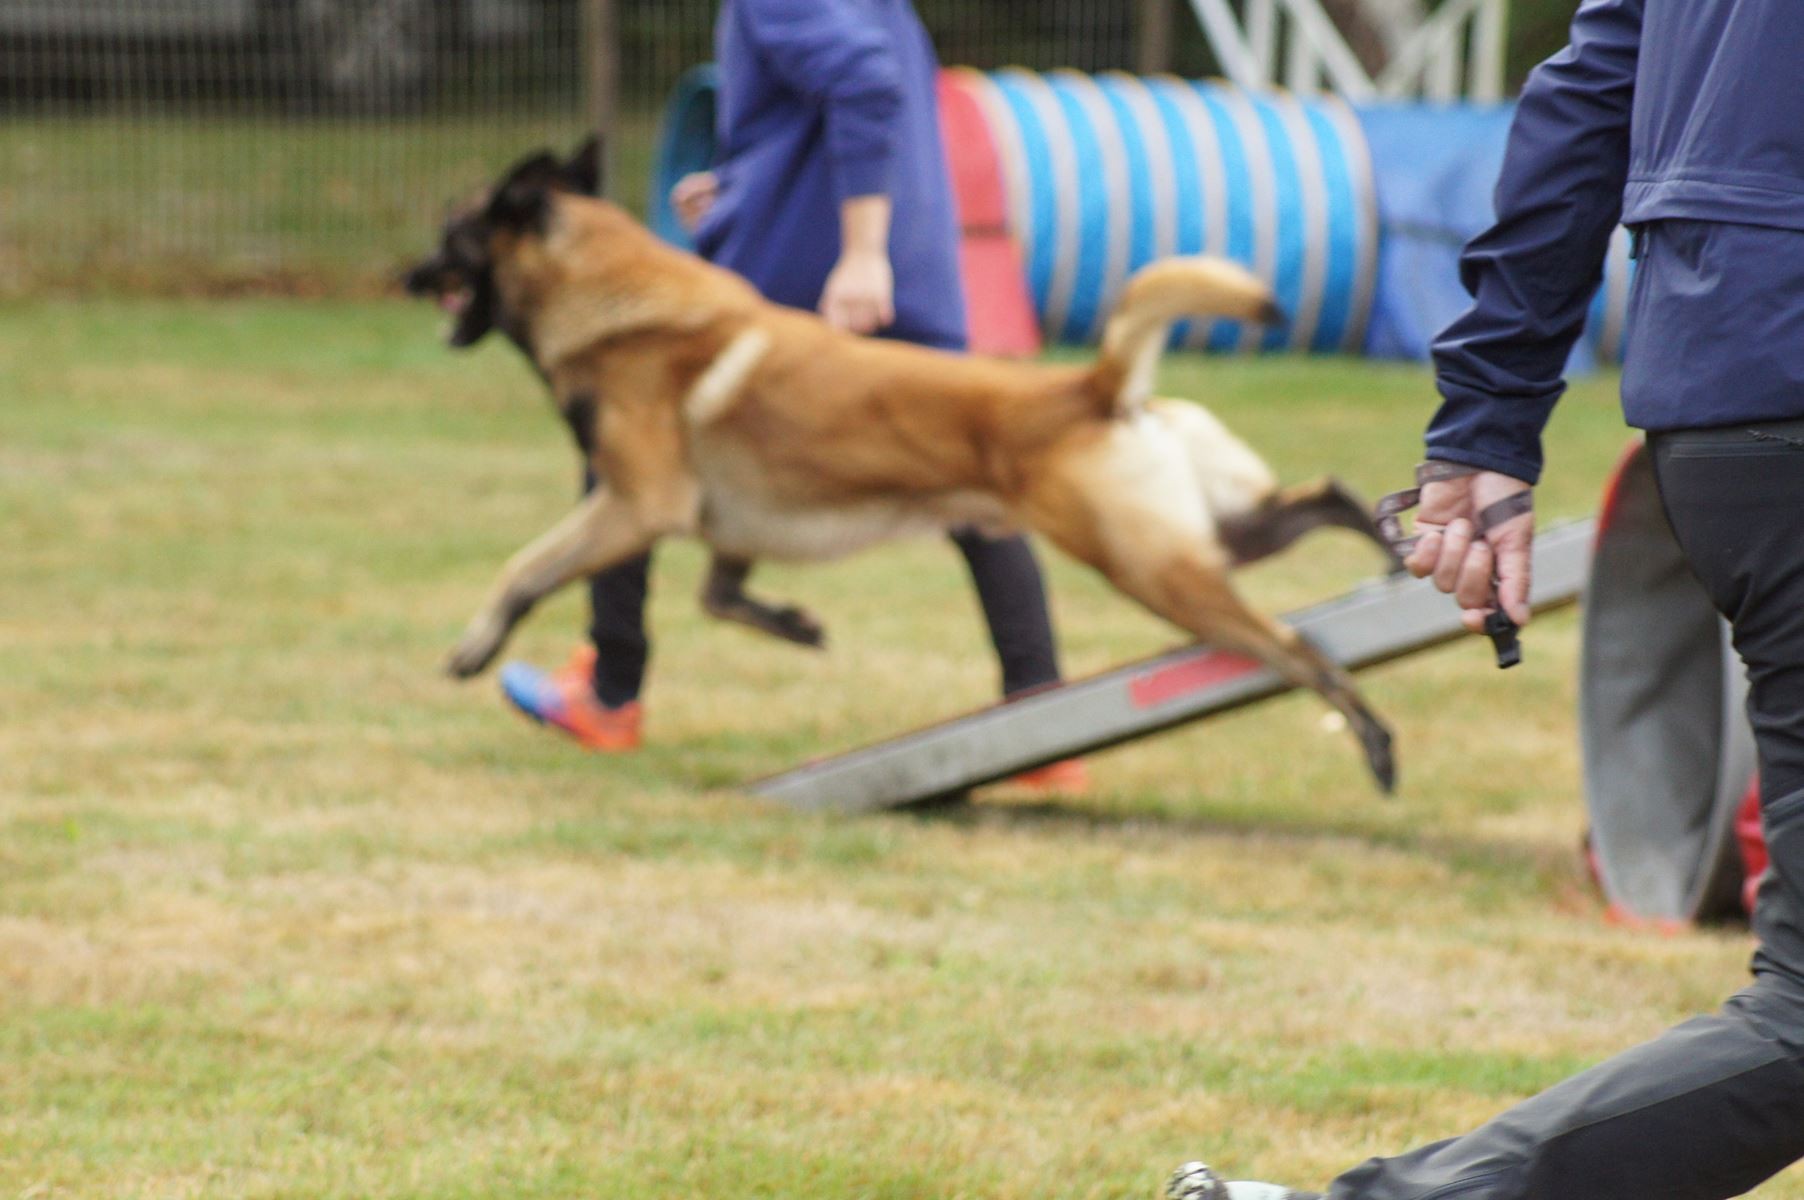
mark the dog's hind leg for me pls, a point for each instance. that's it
(1196, 595)
(724, 597)
(1287, 515)
(1172, 567)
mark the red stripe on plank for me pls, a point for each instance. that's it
(1210, 668)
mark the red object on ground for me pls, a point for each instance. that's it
(1621, 917)
(1752, 836)
(1067, 777)
(1001, 314)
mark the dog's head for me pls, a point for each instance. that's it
(460, 275)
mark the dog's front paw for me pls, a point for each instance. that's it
(477, 648)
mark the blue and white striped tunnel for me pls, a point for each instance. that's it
(1105, 174)
(1355, 218)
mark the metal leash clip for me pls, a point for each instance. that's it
(1503, 632)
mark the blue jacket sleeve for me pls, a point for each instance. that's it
(838, 55)
(1532, 275)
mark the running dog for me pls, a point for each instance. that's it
(710, 413)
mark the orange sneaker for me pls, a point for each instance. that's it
(1067, 777)
(565, 700)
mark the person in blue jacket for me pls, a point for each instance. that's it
(831, 192)
(1683, 119)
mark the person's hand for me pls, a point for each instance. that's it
(1464, 564)
(860, 296)
(693, 196)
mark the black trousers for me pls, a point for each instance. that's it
(1006, 574)
(1717, 1105)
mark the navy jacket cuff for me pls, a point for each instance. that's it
(1492, 433)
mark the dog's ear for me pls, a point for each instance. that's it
(520, 199)
(583, 173)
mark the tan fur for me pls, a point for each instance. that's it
(770, 435)
(1232, 478)
(1161, 294)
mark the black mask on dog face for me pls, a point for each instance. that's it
(461, 277)
(461, 274)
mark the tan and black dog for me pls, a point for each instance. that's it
(709, 413)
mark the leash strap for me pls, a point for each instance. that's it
(1502, 631)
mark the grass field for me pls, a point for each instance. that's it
(179, 204)
(283, 913)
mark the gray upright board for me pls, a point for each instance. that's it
(1668, 749)
(1381, 621)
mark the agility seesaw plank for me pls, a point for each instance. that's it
(1383, 620)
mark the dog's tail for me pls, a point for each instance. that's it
(1159, 294)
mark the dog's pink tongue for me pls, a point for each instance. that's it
(454, 302)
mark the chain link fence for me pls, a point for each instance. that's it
(288, 143)
(312, 145)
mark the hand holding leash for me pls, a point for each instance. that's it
(1475, 537)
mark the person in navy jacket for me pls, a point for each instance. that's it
(831, 191)
(1683, 119)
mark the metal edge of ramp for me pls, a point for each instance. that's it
(1380, 621)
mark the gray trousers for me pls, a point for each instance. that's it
(1716, 1105)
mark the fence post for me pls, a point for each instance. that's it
(1262, 37)
(601, 73)
(1490, 43)
(1221, 25)
(1334, 61)
(1153, 52)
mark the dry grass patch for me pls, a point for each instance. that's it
(284, 914)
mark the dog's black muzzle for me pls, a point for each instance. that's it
(427, 279)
